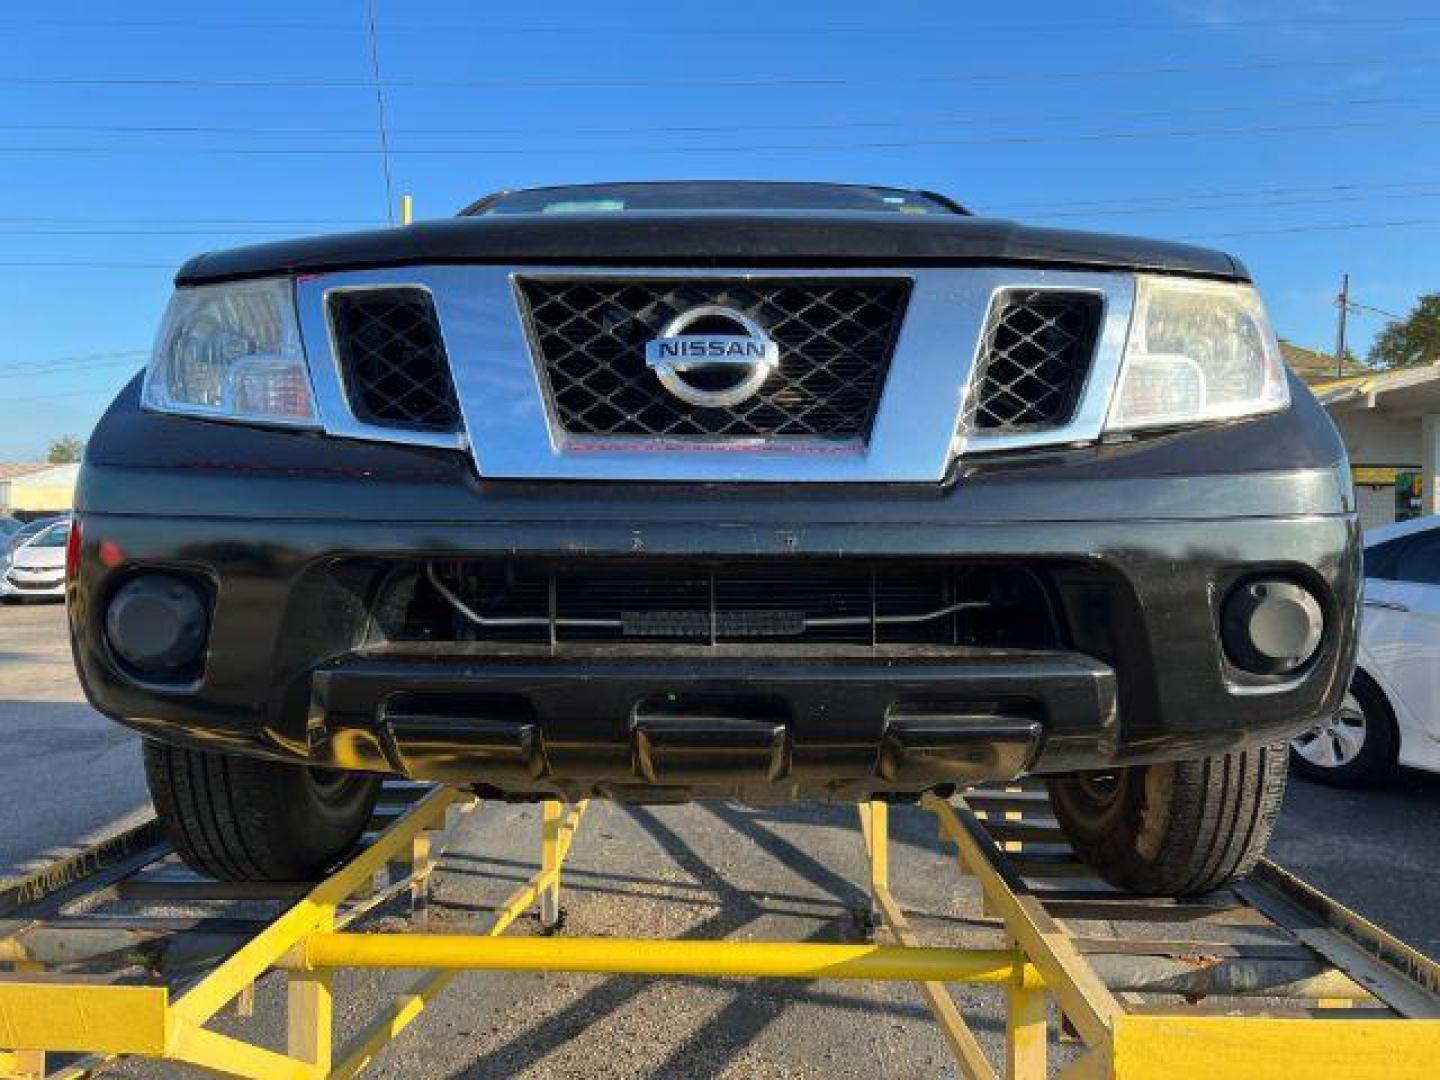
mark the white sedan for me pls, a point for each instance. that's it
(36, 569)
(1392, 713)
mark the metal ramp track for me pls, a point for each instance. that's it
(87, 918)
(1267, 978)
(1271, 931)
(122, 951)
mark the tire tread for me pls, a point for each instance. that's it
(233, 818)
(1216, 817)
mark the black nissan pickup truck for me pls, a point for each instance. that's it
(757, 491)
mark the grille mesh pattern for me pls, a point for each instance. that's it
(1038, 347)
(761, 601)
(394, 363)
(742, 602)
(835, 339)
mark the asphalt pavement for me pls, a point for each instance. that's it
(709, 870)
(67, 774)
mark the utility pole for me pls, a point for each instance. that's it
(1343, 303)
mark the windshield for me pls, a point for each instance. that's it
(25, 532)
(710, 195)
(53, 537)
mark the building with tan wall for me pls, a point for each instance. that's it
(41, 489)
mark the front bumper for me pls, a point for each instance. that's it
(1139, 543)
(22, 582)
(681, 722)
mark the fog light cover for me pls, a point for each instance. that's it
(1271, 626)
(156, 625)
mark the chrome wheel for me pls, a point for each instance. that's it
(1336, 742)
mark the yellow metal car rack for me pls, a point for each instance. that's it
(1311, 989)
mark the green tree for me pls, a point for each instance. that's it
(65, 450)
(1412, 342)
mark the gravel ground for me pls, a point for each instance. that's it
(697, 871)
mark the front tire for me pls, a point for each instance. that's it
(1357, 747)
(1174, 828)
(249, 819)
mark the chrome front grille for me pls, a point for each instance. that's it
(392, 358)
(1038, 347)
(836, 336)
(883, 372)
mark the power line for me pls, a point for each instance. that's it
(90, 392)
(747, 30)
(736, 148)
(645, 83)
(1368, 309)
(1267, 204)
(133, 364)
(85, 264)
(725, 129)
(113, 354)
(380, 112)
(1340, 227)
(5, 230)
(1137, 202)
(43, 219)
(1228, 207)
(1232, 193)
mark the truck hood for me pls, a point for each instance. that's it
(749, 239)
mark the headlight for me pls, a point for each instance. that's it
(232, 352)
(1198, 350)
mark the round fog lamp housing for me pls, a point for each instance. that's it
(1271, 626)
(156, 624)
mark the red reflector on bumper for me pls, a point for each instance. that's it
(72, 549)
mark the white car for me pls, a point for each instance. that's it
(1391, 716)
(36, 569)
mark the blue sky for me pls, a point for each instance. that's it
(1302, 135)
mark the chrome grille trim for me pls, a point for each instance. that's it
(1036, 356)
(835, 337)
(917, 430)
(392, 361)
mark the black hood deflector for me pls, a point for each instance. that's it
(712, 239)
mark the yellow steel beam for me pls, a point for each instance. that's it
(1081, 995)
(969, 1055)
(631, 956)
(552, 816)
(875, 828)
(1263, 1048)
(310, 1016)
(75, 1015)
(22, 1064)
(79, 1016)
(410, 1003)
(1027, 1035)
(231, 1057)
(267, 948)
